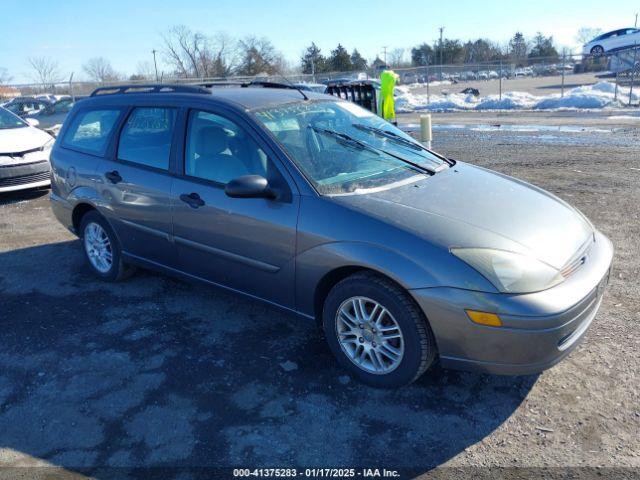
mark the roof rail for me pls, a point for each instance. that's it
(157, 88)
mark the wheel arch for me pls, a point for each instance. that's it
(320, 268)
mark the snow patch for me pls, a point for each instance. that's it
(597, 96)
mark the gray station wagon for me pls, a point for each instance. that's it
(317, 206)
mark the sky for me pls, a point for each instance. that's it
(126, 31)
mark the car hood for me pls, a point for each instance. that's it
(16, 140)
(467, 206)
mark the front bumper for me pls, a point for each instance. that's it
(539, 329)
(24, 175)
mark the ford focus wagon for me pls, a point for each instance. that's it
(317, 206)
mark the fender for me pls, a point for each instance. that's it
(312, 265)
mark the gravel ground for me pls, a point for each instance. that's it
(100, 379)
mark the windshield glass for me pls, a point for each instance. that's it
(343, 148)
(8, 120)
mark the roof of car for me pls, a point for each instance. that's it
(241, 96)
(259, 97)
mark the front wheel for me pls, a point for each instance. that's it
(377, 332)
(101, 248)
(597, 51)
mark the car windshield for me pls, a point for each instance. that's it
(9, 120)
(344, 149)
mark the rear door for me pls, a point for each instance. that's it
(135, 181)
(247, 244)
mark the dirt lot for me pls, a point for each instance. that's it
(98, 378)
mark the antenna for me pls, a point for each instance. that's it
(289, 82)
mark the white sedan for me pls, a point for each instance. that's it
(611, 41)
(24, 153)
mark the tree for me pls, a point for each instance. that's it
(46, 70)
(422, 55)
(99, 69)
(396, 57)
(543, 47)
(340, 60)
(586, 34)
(192, 54)
(357, 61)
(452, 51)
(481, 50)
(518, 48)
(4, 76)
(258, 56)
(312, 60)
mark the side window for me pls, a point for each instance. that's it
(219, 150)
(90, 130)
(146, 137)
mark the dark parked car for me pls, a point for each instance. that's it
(318, 206)
(48, 114)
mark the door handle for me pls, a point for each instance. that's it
(114, 177)
(192, 199)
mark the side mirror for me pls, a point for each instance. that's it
(249, 186)
(32, 122)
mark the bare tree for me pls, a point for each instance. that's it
(258, 56)
(193, 54)
(46, 70)
(4, 76)
(396, 57)
(99, 69)
(586, 34)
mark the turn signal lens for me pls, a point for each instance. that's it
(484, 318)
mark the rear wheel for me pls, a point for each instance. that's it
(101, 248)
(377, 332)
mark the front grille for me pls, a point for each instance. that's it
(25, 179)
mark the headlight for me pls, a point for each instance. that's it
(510, 272)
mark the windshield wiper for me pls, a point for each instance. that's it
(364, 145)
(390, 135)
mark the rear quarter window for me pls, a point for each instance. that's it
(90, 130)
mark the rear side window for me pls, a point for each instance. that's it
(90, 130)
(146, 137)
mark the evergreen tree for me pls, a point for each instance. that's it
(312, 60)
(422, 55)
(357, 61)
(543, 47)
(340, 60)
(518, 47)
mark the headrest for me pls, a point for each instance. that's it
(211, 141)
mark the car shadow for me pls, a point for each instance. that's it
(104, 378)
(7, 198)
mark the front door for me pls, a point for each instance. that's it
(136, 185)
(247, 244)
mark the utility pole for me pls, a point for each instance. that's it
(635, 25)
(384, 54)
(441, 30)
(154, 63)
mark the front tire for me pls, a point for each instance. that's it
(597, 51)
(101, 248)
(377, 332)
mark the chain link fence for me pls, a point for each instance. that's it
(535, 76)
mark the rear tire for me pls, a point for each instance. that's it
(388, 353)
(101, 249)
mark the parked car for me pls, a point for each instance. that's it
(317, 206)
(49, 114)
(611, 41)
(24, 153)
(313, 87)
